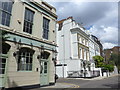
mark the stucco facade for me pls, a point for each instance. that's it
(73, 49)
(23, 46)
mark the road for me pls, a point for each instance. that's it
(111, 82)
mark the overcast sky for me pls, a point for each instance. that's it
(100, 18)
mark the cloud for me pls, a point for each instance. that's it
(101, 18)
(108, 45)
(106, 35)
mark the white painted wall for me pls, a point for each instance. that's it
(67, 42)
(59, 71)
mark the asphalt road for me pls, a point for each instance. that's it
(110, 82)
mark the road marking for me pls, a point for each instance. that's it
(74, 86)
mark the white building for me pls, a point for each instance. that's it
(94, 50)
(73, 49)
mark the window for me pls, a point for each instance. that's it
(83, 41)
(80, 53)
(45, 67)
(2, 65)
(45, 28)
(25, 58)
(28, 21)
(5, 12)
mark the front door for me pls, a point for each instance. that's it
(44, 73)
(44, 70)
(2, 71)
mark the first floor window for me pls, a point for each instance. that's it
(28, 21)
(5, 12)
(25, 59)
(45, 28)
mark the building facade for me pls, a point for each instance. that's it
(94, 50)
(76, 49)
(28, 54)
(73, 49)
(99, 43)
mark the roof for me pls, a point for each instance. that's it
(61, 21)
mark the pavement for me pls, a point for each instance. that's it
(69, 85)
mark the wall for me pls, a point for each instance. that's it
(22, 78)
(18, 15)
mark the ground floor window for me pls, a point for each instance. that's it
(2, 65)
(25, 59)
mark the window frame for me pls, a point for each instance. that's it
(25, 64)
(28, 20)
(6, 12)
(46, 25)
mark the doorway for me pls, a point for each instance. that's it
(44, 71)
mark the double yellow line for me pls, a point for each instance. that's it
(74, 86)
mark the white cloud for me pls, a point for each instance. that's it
(105, 34)
(101, 17)
(109, 45)
(81, 0)
(110, 35)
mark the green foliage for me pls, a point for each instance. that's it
(109, 67)
(115, 58)
(98, 61)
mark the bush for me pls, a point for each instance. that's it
(109, 67)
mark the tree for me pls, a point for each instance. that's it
(116, 59)
(98, 61)
(109, 67)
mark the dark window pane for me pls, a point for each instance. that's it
(31, 60)
(30, 67)
(27, 67)
(28, 20)
(3, 60)
(0, 71)
(0, 4)
(3, 65)
(45, 28)
(6, 8)
(26, 60)
(3, 71)
(0, 65)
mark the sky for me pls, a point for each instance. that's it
(100, 17)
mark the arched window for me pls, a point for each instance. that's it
(45, 55)
(25, 58)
